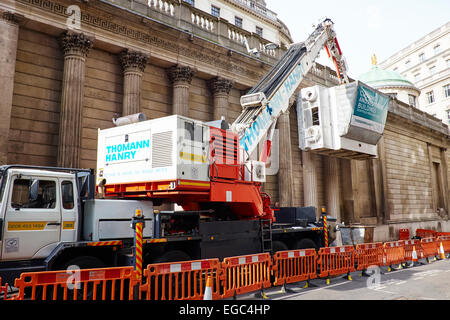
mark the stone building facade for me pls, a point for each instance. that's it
(426, 63)
(60, 81)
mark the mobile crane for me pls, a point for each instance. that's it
(49, 218)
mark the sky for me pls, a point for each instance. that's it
(364, 27)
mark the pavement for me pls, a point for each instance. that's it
(426, 281)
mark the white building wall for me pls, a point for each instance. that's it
(250, 22)
(430, 72)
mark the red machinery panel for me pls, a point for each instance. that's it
(224, 155)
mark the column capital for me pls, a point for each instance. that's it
(220, 85)
(180, 74)
(133, 60)
(11, 17)
(286, 113)
(74, 43)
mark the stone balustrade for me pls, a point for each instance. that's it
(325, 73)
(163, 6)
(270, 52)
(182, 15)
(237, 35)
(202, 21)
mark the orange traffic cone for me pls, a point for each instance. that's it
(441, 252)
(414, 256)
(208, 289)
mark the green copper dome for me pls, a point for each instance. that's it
(379, 78)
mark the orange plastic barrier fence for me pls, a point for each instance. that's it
(425, 233)
(430, 247)
(294, 266)
(88, 284)
(180, 280)
(335, 261)
(445, 243)
(245, 274)
(394, 253)
(3, 290)
(410, 246)
(438, 234)
(369, 254)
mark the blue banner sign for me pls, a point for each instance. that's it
(371, 109)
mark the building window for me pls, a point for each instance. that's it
(215, 11)
(422, 57)
(259, 31)
(432, 70)
(191, 2)
(238, 22)
(430, 97)
(417, 77)
(448, 114)
(448, 63)
(437, 49)
(412, 100)
(447, 90)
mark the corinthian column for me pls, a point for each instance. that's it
(8, 48)
(133, 66)
(76, 48)
(181, 78)
(310, 181)
(332, 187)
(285, 181)
(221, 90)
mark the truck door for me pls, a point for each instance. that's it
(68, 211)
(33, 218)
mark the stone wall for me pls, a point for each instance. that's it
(33, 138)
(102, 99)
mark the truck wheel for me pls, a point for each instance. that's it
(279, 246)
(172, 256)
(304, 244)
(85, 262)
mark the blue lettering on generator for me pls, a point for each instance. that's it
(125, 151)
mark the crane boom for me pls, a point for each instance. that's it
(265, 102)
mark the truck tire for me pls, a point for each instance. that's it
(85, 262)
(279, 246)
(172, 256)
(304, 244)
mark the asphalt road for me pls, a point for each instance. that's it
(423, 282)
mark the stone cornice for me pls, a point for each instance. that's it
(144, 37)
(74, 43)
(133, 60)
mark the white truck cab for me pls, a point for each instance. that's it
(50, 219)
(38, 210)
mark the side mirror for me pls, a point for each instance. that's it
(34, 191)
